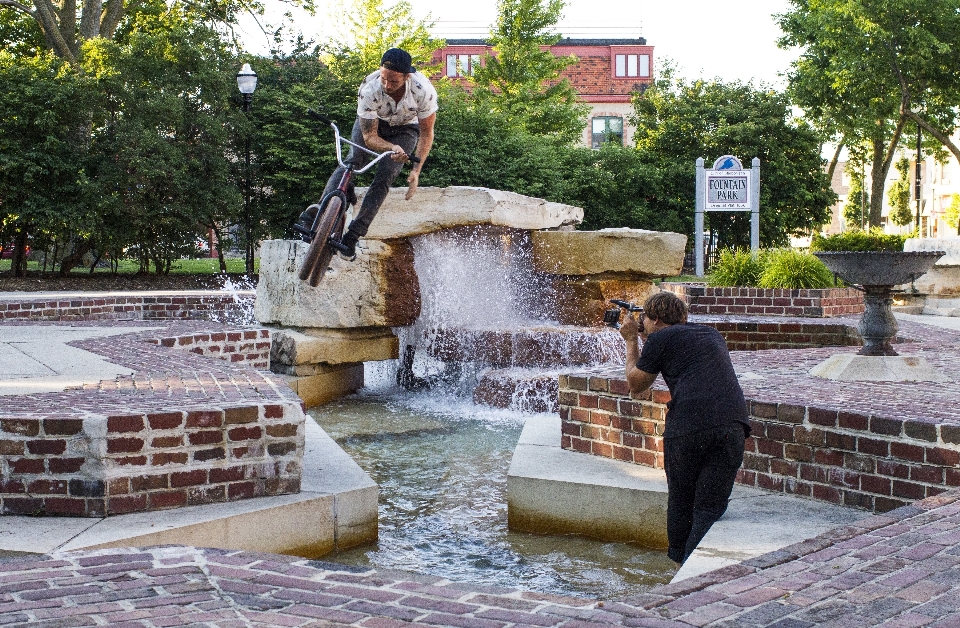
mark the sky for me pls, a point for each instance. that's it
(706, 38)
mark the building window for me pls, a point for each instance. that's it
(632, 65)
(606, 129)
(462, 65)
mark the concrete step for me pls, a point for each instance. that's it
(555, 491)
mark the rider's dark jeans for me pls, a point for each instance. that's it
(386, 170)
(701, 468)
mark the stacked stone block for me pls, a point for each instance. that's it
(96, 466)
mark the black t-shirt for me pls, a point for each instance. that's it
(695, 364)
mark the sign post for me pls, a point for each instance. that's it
(727, 187)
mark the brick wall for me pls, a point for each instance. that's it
(249, 347)
(134, 462)
(128, 307)
(749, 336)
(829, 302)
(843, 457)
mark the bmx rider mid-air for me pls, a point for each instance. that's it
(396, 111)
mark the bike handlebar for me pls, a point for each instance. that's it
(316, 116)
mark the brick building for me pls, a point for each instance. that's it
(606, 75)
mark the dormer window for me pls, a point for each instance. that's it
(631, 65)
(462, 65)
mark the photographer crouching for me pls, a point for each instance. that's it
(706, 421)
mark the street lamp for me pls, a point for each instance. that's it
(916, 185)
(247, 83)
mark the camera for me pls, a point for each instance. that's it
(611, 317)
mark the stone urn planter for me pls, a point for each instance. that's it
(876, 273)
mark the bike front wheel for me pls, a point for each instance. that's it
(320, 252)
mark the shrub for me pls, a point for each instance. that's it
(793, 269)
(737, 267)
(873, 240)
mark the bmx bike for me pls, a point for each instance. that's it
(326, 231)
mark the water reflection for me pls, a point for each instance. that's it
(442, 469)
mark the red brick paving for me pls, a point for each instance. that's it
(901, 568)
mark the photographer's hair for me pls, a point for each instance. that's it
(666, 307)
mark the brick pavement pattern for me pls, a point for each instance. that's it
(897, 569)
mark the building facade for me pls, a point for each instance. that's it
(939, 185)
(605, 76)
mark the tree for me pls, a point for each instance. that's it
(373, 28)
(479, 146)
(867, 64)
(162, 137)
(294, 153)
(858, 200)
(522, 79)
(677, 122)
(42, 158)
(899, 195)
(952, 214)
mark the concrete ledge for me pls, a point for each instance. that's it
(336, 509)
(556, 491)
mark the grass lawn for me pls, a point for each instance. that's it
(203, 266)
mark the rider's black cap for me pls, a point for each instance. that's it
(398, 60)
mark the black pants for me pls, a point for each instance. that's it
(701, 468)
(386, 170)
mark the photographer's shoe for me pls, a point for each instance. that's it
(304, 224)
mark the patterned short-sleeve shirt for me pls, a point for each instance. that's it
(418, 102)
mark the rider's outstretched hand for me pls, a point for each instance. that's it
(413, 180)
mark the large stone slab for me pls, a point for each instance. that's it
(581, 300)
(378, 289)
(609, 251)
(434, 209)
(332, 346)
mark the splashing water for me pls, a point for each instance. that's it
(240, 313)
(485, 307)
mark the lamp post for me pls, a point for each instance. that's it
(247, 83)
(916, 184)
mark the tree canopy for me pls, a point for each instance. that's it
(868, 66)
(678, 121)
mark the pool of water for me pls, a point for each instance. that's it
(441, 464)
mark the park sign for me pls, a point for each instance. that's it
(727, 186)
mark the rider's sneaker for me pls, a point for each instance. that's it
(305, 222)
(347, 248)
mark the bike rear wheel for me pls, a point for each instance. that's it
(320, 252)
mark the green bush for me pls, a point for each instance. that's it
(793, 269)
(737, 267)
(873, 240)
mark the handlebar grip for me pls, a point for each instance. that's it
(316, 116)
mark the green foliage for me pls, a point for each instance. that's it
(899, 195)
(864, 64)
(521, 79)
(677, 122)
(163, 135)
(793, 269)
(294, 154)
(857, 207)
(20, 35)
(373, 28)
(873, 240)
(737, 267)
(952, 214)
(44, 190)
(482, 147)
